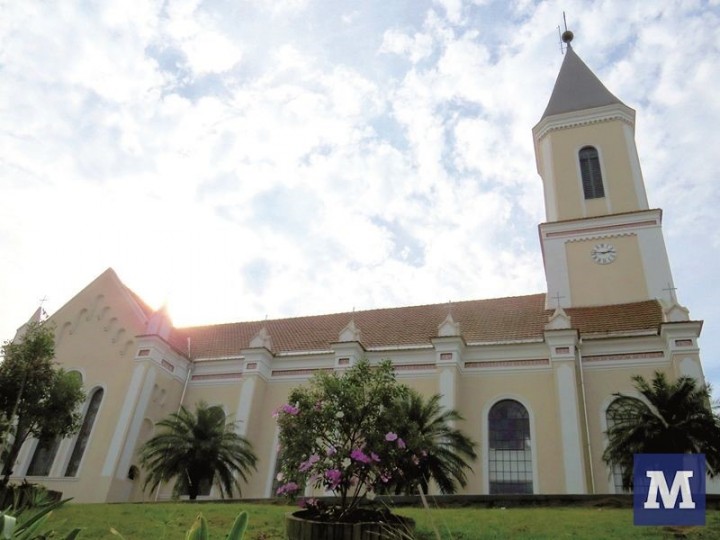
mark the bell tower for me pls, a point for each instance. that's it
(601, 242)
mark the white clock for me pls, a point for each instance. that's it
(603, 253)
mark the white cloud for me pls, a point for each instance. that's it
(260, 157)
(416, 47)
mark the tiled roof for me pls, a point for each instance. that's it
(493, 320)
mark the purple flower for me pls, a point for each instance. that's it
(331, 450)
(334, 476)
(288, 488)
(359, 455)
(390, 436)
(305, 465)
(308, 503)
(287, 408)
(401, 443)
(375, 457)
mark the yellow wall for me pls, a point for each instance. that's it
(95, 336)
(477, 394)
(600, 385)
(610, 140)
(593, 284)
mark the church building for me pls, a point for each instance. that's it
(533, 376)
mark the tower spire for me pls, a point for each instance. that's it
(577, 87)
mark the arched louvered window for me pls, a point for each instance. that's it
(591, 174)
(84, 435)
(614, 415)
(509, 452)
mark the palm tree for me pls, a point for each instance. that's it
(443, 450)
(671, 418)
(197, 448)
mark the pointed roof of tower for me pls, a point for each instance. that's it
(577, 88)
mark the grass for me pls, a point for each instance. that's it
(169, 521)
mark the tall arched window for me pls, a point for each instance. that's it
(43, 457)
(590, 171)
(509, 454)
(84, 434)
(47, 447)
(614, 415)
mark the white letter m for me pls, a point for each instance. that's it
(681, 484)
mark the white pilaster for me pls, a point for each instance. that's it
(124, 419)
(242, 414)
(257, 369)
(562, 345)
(448, 358)
(138, 417)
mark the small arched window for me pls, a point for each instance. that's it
(590, 171)
(509, 455)
(84, 434)
(614, 415)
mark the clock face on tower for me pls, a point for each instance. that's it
(603, 253)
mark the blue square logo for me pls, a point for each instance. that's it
(669, 489)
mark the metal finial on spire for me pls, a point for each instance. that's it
(567, 35)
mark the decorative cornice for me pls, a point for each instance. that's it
(215, 376)
(545, 362)
(623, 357)
(413, 367)
(608, 113)
(298, 372)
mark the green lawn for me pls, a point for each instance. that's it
(156, 521)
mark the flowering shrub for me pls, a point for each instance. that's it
(339, 434)
(360, 433)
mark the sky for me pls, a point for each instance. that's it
(245, 159)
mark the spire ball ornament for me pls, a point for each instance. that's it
(567, 36)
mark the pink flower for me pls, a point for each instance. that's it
(401, 443)
(390, 436)
(331, 450)
(359, 455)
(375, 457)
(334, 476)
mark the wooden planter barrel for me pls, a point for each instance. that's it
(299, 528)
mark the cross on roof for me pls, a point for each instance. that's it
(557, 298)
(671, 290)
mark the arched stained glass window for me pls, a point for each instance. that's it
(614, 415)
(591, 174)
(84, 435)
(509, 452)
